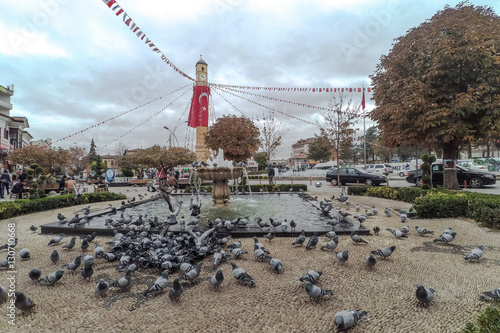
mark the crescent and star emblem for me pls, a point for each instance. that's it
(201, 95)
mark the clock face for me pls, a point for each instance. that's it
(203, 76)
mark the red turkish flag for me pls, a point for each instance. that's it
(198, 114)
(363, 101)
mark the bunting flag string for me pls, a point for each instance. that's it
(269, 108)
(147, 119)
(349, 89)
(228, 102)
(127, 20)
(120, 114)
(285, 101)
(178, 123)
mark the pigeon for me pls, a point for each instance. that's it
(216, 280)
(61, 218)
(124, 282)
(376, 230)
(385, 251)
(342, 198)
(284, 226)
(342, 256)
(405, 229)
(240, 275)
(259, 244)
(4, 264)
(3, 294)
(70, 244)
(23, 302)
(54, 257)
(52, 278)
(261, 223)
(72, 266)
(237, 253)
(301, 239)
(348, 318)
(446, 237)
(235, 245)
(423, 231)
(259, 253)
(475, 254)
(98, 250)
(330, 234)
(425, 295)
(313, 241)
(193, 274)
(331, 245)
(360, 218)
(101, 288)
(293, 224)
(374, 210)
(276, 265)
(85, 244)
(448, 230)
(33, 228)
(34, 274)
(490, 295)
(403, 217)
(158, 286)
(357, 207)
(176, 290)
(24, 254)
(387, 212)
(316, 292)
(75, 219)
(186, 267)
(357, 239)
(87, 270)
(311, 276)
(55, 240)
(370, 260)
(368, 213)
(269, 236)
(397, 233)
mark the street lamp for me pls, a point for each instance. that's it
(170, 139)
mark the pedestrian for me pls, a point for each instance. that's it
(4, 183)
(62, 184)
(23, 176)
(17, 189)
(270, 173)
(70, 185)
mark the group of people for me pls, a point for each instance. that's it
(17, 183)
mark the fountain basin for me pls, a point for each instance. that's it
(220, 177)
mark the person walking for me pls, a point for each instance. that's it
(270, 173)
(4, 183)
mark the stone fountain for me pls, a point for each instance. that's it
(220, 172)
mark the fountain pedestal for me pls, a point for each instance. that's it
(220, 177)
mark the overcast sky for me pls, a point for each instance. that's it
(75, 64)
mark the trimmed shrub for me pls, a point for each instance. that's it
(485, 209)
(383, 192)
(409, 194)
(441, 205)
(487, 322)
(358, 190)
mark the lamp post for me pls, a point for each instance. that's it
(170, 138)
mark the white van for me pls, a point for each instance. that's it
(325, 166)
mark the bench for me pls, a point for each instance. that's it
(139, 182)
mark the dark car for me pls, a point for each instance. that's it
(353, 176)
(473, 178)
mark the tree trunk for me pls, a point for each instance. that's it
(450, 181)
(469, 151)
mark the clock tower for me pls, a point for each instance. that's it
(202, 152)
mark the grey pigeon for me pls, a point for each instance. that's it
(158, 286)
(397, 233)
(34, 274)
(194, 273)
(370, 260)
(374, 210)
(73, 266)
(342, 256)
(55, 240)
(316, 292)
(276, 265)
(403, 217)
(216, 280)
(124, 282)
(446, 237)
(331, 245)
(357, 207)
(385, 251)
(405, 229)
(24, 254)
(7, 245)
(101, 288)
(376, 230)
(87, 270)
(301, 239)
(61, 218)
(491, 295)
(448, 230)
(176, 290)
(293, 224)
(85, 244)
(475, 254)
(360, 218)
(23, 302)
(330, 234)
(424, 295)
(240, 275)
(54, 257)
(284, 226)
(237, 253)
(33, 228)
(235, 245)
(259, 253)
(311, 276)
(3, 294)
(70, 244)
(269, 236)
(357, 239)
(423, 231)
(52, 278)
(387, 212)
(348, 318)
(313, 241)
(98, 250)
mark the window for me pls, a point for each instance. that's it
(343, 171)
(352, 171)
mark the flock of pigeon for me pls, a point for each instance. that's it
(182, 254)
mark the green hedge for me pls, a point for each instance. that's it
(441, 205)
(487, 322)
(407, 194)
(256, 187)
(10, 209)
(257, 177)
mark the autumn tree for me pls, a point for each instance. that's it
(271, 134)
(337, 124)
(79, 160)
(51, 160)
(237, 136)
(155, 156)
(319, 149)
(440, 83)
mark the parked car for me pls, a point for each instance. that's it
(473, 178)
(352, 175)
(378, 168)
(473, 166)
(389, 168)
